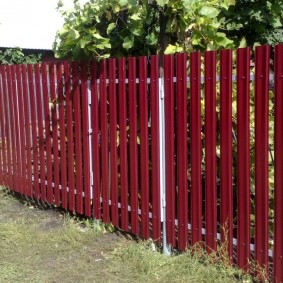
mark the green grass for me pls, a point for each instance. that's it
(42, 246)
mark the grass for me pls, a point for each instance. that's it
(46, 246)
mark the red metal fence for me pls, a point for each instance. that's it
(200, 148)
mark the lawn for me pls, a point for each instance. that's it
(45, 244)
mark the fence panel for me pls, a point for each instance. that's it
(94, 144)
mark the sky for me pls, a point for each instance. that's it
(29, 23)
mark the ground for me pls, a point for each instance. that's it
(44, 244)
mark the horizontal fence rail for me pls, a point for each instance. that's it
(184, 153)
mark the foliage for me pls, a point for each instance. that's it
(258, 21)
(106, 28)
(16, 56)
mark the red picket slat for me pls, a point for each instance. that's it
(39, 105)
(3, 129)
(155, 162)
(195, 137)
(226, 195)
(144, 149)
(278, 177)
(133, 172)
(62, 135)
(123, 142)
(85, 134)
(54, 127)
(104, 142)
(28, 183)
(95, 141)
(182, 150)
(47, 123)
(169, 148)
(16, 128)
(78, 137)
(3, 142)
(262, 57)
(210, 151)
(12, 129)
(33, 148)
(20, 129)
(243, 156)
(70, 138)
(113, 142)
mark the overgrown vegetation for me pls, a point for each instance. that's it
(47, 246)
(13, 56)
(126, 27)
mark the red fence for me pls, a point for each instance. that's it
(200, 148)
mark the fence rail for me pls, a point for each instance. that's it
(195, 155)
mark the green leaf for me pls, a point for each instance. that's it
(162, 3)
(128, 42)
(209, 12)
(151, 39)
(135, 17)
(110, 27)
(170, 49)
(123, 2)
(74, 34)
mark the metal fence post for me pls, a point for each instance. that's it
(166, 247)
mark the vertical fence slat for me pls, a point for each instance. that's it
(28, 183)
(21, 128)
(54, 121)
(278, 147)
(182, 150)
(261, 155)
(195, 137)
(16, 126)
(155, 171)
(85, 133)
(210, 151)
(3, 128)
(169, 148)
(243, 156)
(7, 127)
(47, 123)
(133, 145)
(123, 142)
(113, 142)
(78, 136)
(95, 141)
(104, 142)
(70, 138)
(144, 150)
(12, 125)
(39, 97)
(33, 148)
(226, 195)
(62, 130)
